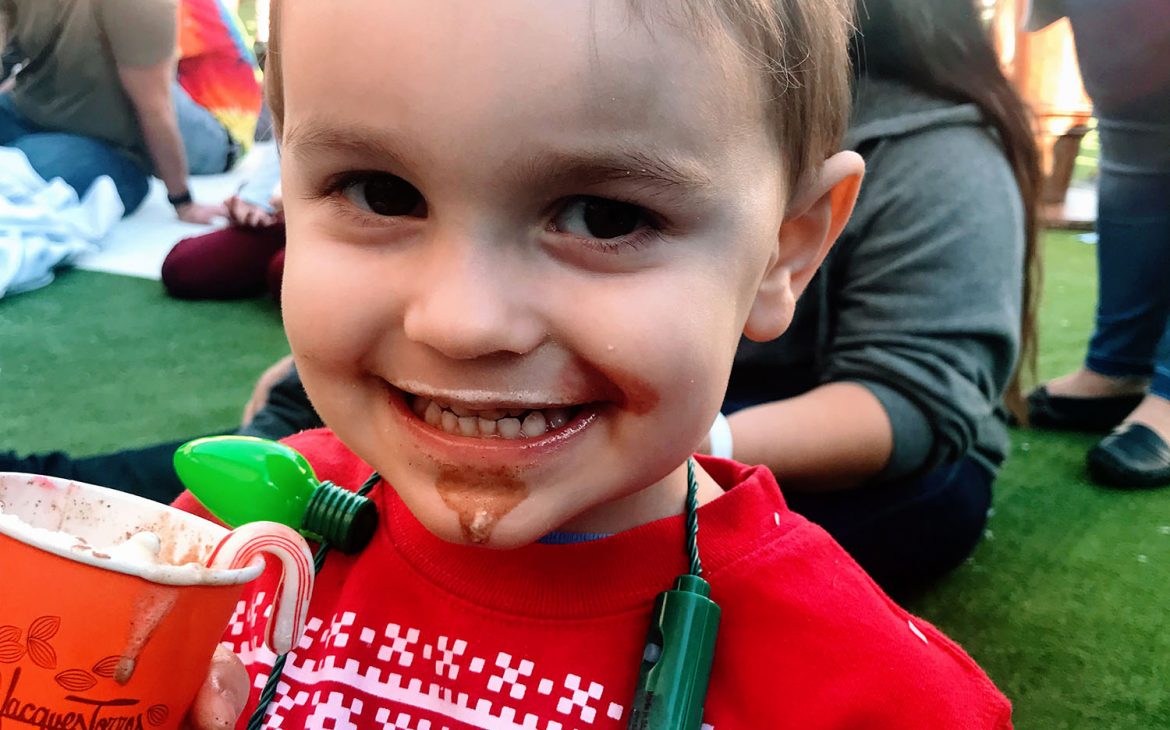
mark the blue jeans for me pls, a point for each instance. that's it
(905, 533)
(1132, 335)
(75, 158)
(210, 149)
(908, 533)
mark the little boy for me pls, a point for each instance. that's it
(524, 239)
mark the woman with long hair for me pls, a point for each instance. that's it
(881, 410)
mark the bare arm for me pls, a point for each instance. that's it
(149, 89)
(835, 436)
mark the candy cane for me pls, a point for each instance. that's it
(244, 545)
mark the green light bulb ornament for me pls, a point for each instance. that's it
(241, 479)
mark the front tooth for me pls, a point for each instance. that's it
(450, 422)
(534, 425)
(434, 414)
(460, 411)
(492, 415)
(487, 427)
(557, 417)
(468, 425)
(516, 412)
(509, 428)
(419, 406)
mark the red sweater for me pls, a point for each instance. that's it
(418, 634)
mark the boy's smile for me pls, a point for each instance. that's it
(501, 423)
(505, 419)
(524, 238)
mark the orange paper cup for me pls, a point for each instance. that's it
(92, 639)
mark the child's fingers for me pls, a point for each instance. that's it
(223, 695)
(233, 209)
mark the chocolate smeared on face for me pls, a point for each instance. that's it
(481, 498)
(641, 397)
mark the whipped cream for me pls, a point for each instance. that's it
(169, 550)
(142, 548)
(52, 538)
(139, 548)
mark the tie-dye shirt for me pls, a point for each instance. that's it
(217, 67)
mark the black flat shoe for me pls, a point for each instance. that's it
(1065, 413)
(1132, 457)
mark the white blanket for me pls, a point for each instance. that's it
(43, 225)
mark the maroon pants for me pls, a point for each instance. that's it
(231, 263)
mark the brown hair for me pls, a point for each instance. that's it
(273, 79)
(801, 47)
(942, 48)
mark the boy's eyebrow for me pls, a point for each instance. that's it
(554, 169)
(367, 143)
(546, 168)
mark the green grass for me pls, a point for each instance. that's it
(97, 362)
(1085, 168)
(1063, 603)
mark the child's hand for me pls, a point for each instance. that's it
(248, 215)
(200, 214)
(223, 695)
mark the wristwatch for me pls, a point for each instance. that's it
(178, 201)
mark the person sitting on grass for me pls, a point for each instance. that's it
(519, 304)
(217, 92)
(881, 410)
(95, 96)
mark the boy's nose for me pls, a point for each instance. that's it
(469, 303)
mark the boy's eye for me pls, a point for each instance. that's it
(590, 217)
(384, 195)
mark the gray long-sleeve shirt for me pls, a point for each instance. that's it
(920, 299)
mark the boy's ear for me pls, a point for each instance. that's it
(814, 219)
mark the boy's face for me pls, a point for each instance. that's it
(520, 215)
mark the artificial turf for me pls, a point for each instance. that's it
(97, 362)
(1062, 603)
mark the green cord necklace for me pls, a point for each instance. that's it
(256, 721)
(680, 644)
